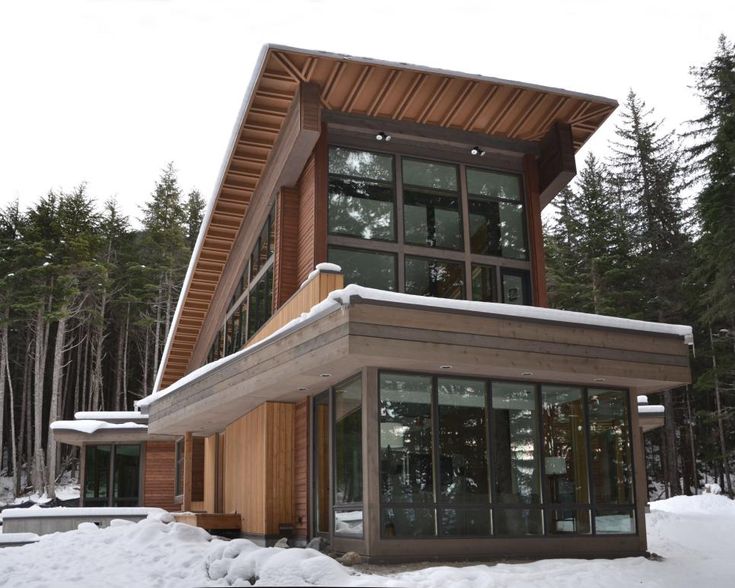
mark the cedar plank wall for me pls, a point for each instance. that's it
(312, 230)
(301, 470)
(307, 199)
(159, 476)
(286, 281)
(258, 468)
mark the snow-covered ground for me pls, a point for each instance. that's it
(694, 535)
(66, 489)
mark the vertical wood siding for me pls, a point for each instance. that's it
(307, 214)
(258, 468)
(160, 472)
(535, 231)
(287, 246)
(301, 470)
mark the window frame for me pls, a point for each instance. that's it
(543, 507)
(400, 248)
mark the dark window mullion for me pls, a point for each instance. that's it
(436, 459)
(590, 483)
(542, 459)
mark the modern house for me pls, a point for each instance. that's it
(362, 349)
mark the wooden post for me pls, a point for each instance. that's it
(188, 477)
(535, 230)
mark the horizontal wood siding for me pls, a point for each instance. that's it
(285, 281)
(160, 472)
(307, 214)
(301, 470)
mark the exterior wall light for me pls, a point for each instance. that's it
(381, 136)
(477, 151)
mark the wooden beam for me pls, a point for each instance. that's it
(556, 166)
(535, 231)
(299, 135)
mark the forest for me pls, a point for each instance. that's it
(646, 231)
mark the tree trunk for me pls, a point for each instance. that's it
(13, 438)
(58, 374)
(38, 377)
(97, 356)
(3, 363)
(118, 368)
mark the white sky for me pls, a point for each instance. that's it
(108, 91)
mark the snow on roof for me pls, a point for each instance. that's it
(342, 298)
(74, 511)
(8, 538)
(92, 426)
(116, 415)
(642, 399)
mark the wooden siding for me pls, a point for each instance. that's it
(285, 278)
(159, 476)
(305, 260)
(258, 468)
(535, 232)
(210, 473)
(197, 469)
(301, 470)
(310, 294)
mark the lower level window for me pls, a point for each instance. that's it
(111, 475)
(462, 457)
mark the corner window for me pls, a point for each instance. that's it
(372, 269)
(348, 514)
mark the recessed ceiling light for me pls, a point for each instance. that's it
(599, 379)
(477, 151)
(526, 373)
(445, 367)
(325, 375)
(303, 388)
(381, 136)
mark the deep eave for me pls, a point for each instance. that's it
(384, 90)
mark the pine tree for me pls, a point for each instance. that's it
(194, 213)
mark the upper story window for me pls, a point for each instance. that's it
(432, 228)
(361, 194)
(251, 304)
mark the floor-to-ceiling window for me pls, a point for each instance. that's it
(464, 457)
(400, 223)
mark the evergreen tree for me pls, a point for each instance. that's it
(194, 213)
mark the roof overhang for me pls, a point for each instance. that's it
(407, 333)
(500, 110)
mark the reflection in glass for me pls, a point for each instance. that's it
(405, 439)
(431, 205)
(514, 444)
(516, 522)
(434, 277)
(261, 301)
(360, 208)
(612, 465)
(482, 182)
(348, 442)
(126, 478)
(462, 430)
(483, 283)
(366, 268)
(348, 522)
(408, 522)
(516, 289)
(569, 521)
(464, 522)
(565, 456)
(321, 462)
(97, 475)
(361, 194)
(615, 521)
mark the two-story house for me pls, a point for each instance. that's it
(362, 349)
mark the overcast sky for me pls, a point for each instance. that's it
(108, 91)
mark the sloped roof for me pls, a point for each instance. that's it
(393, 91)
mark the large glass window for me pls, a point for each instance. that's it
(484, 288)
(320, 421)
(366, 268)
(348, 458)
(457, 461)
(431, 207)
(261, 302)
(516, 287)
(565, 458)
(434, 277)
(361, 194)
(497, 224)
(111, 475)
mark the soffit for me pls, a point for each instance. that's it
(393, 91)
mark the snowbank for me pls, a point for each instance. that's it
(694, 535)
(91, 426)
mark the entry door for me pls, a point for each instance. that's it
(320, 474)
